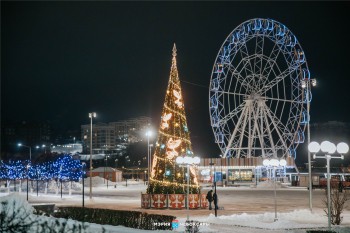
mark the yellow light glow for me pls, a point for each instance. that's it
(178, 97)
(172, 145)
(166, 117)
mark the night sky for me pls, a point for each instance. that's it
(62, 60)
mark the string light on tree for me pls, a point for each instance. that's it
(173, 141)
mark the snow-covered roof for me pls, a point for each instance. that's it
(105, 169)
(94, 156)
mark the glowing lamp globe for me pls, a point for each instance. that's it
(179, 160)
(342, 148)
(149, 133)
(332, 148)
(314, 147)
(187, 160)
(266, 162)
(274, 162)
(196, 160)
(283, 162)
(326, 146)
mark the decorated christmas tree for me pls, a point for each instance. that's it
(167, 177)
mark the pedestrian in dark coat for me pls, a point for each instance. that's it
(210, 198)
(215, 199)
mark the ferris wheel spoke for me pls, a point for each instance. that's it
(232, 93)
(275, 81)
(248, 69)
(270, 63)
(231, 114)
(244, 62)
(269, 113)
(285, 130)
(283, 100)
(259, 132)
(233, 135)
(258, 59)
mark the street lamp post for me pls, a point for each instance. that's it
(82, 179)
(214, 181)
(305, 84)
(274, 163)
(60, 175)
(328, 148)
(28, 165)
(148, 134)
(91, 115)
(106, 169)
(188, 161)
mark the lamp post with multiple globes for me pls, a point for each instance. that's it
(328, 148)
(188, 161)
(275, 163)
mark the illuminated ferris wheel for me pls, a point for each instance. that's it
(256, 100)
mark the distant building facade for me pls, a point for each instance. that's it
(107, 136)
(70, 148)
(30, 133)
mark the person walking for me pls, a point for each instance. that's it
(210, 198)
(215, 199)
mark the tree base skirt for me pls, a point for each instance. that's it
(173, 201)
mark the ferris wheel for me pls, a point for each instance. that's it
(256, 101)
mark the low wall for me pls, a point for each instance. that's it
(173, 201)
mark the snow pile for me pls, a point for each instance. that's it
(269, 185)
(97, 182)
(295, 219)
(16, 215)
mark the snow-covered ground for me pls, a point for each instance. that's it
(246, 209)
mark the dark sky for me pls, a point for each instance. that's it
(62, 60)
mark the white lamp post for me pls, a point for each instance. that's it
(91, 115)
(148, 134)
(82, 180)
(328, 148)
(305, 84)
(188, 161)
(28, 165)
(275, 163)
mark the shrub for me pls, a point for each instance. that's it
(133, 219)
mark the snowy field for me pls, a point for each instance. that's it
(245, 209)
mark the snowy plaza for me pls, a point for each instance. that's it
(229, 160)
(242, 209)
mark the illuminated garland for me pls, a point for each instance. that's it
(167, 183)
(174, 111)
(168, 135)
(64, 168)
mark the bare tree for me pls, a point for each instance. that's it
(338, 200)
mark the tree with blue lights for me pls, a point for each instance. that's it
(64, 168)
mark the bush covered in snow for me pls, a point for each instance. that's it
(133, 219)
(16, 215)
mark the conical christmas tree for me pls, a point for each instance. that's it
(167, 177)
